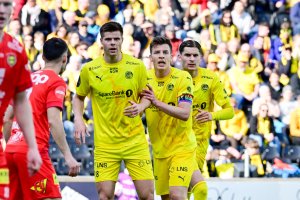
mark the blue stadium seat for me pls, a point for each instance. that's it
(61, 167)
(88, 165)
(292, 153)
(270, 153)
(80, 152)
(54, 152)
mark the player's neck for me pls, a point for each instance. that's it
(52, 66)
(193, 73)
(112, 59)
(162, 73)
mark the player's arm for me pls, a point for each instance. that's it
(182, 111)
(136, 109)
(59, 136)
(23, 112)
(7, 122)
(222, 99)
(80, 127)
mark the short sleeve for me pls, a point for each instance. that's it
(186, 88)
(83, 86)
(56, 95)
(219, 92)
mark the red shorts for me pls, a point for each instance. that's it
(41, 185)
(4, 177)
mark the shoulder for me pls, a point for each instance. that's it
(13, 43)
(93, 64)
(207, 74)
(130, 60)
(181, 73)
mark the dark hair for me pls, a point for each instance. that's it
(54, 48)
(226, 12)
(190, 43)
(160, 40)
(111, 27)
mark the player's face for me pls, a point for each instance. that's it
(161, 57)
(5, 12)
(190, 58)
(112, 42)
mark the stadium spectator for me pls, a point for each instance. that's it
(241, 19)
(84, 35)
(295, 82)
(295, 124)
(32, 14)
(262, 128)
(235, 129)
(275, 86)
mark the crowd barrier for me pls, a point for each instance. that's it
(83, 188)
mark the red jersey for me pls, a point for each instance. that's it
(14, 74)
(48, 91)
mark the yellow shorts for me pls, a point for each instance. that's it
(176, 170)
(201, 152)
(137, 160)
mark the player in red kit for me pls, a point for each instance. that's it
(14, 80)
(46, 98)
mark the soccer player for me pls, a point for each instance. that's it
(14, 80)
(46, 98)
(113, 83)
(207, 89)
(169, 123)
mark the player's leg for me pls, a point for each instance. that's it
(4, 176)
(107, 164)
(198, 184)
(44, 183)
(138, 162)
(182, 167)
(19, 185)
(106, 190)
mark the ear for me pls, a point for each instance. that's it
(179, 57)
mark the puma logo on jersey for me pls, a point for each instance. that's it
(182, 178)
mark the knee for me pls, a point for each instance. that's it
(147, 195)
(103, 196)
(177, 196)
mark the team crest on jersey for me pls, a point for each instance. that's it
(189, 89)
(128, 75)
(170, 87)
(204, 87)
(11, 59)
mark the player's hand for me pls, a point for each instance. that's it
(34, 161)
(133, 110)
(74, 166)
(203, 116)
(149, 94)
(80, 131)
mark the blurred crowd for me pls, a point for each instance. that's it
(253, 45)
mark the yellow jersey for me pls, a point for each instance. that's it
(110, 86)
(170, 135)
(207, 89)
